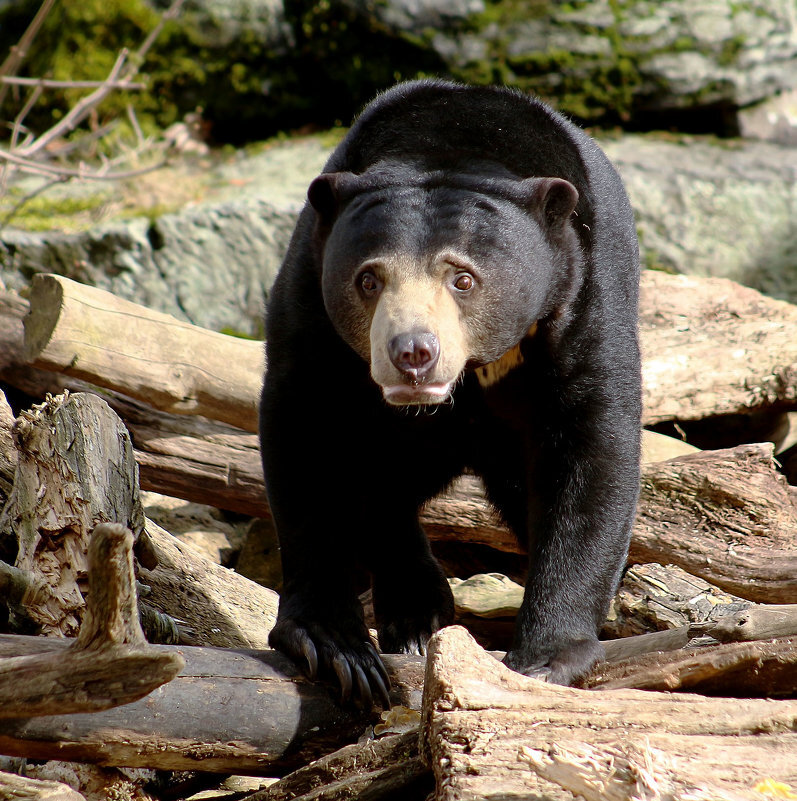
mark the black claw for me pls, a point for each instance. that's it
(341, 667)
(310, 654)
(380, 681)
(379, 666)
(363, 687)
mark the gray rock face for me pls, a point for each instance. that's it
(703, 208)
(715, 209)
(225, 23)
(602, 55)
(210, 266)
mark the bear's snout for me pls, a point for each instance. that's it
(414, 353)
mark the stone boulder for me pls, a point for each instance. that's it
(602, 58)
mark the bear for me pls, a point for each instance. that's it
(460, 295)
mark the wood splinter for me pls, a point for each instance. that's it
(109, 663)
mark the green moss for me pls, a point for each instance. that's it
(69, 214)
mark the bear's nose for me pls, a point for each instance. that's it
(415, 353)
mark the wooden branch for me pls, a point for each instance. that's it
(220, 606)
(479, 716)
(753, 623)
(726, 516)
(229, 711)
(90, 334)
(609, 773)
(21, 788)
(382, 768)
(18, 52)
(75, 469)
(110, 662)
(742, 669)
(712, 347)
(46, 83)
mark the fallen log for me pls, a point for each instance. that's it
(93, 335)
(110, 662)
(389, 767)
(20, 788)
(710, 348)
(221, 607)
(726, 516)
(228, 711)
(75, 469)
(479, 717)
(654, 597)
(740, 669)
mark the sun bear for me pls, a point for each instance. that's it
(459, 295)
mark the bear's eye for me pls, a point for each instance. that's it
(463, 282)
(369, 284)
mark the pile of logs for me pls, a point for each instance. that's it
(696, 698)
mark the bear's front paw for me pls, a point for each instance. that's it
(408, 616)
(563, 662)
(345, 659)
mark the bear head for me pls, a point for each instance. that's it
(427, 273)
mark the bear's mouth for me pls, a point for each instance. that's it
(417, 395)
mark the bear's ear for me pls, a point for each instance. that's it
(329, 191)
(553, 198)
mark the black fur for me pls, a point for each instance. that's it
(556, 441)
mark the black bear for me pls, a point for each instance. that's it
(460, 294)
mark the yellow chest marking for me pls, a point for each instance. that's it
(493, 372)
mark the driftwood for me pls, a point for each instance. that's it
(64, 486)
(479, 719)
(20, 788)
(711, 347)
(110, 662)
(739, 669)
(76, 469)
(737, 354)
(228, 711)
(221, 607)
(725, 516)
(390, 767)
(91, 334)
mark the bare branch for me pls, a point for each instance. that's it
(19, 51)
(46, 83)
(79, 112)
(37, 168)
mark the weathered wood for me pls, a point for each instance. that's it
(20, 788)
(654, 597)
(76, 469)
(726, 516)
(110, 662)
(220, 606)
(609, 773)
(740, 669)
(639, 644)
(478, 716)
(91, 334)
(385, 768)
(8, 451)
(753, 623)
(228, 711)
(712, 347)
